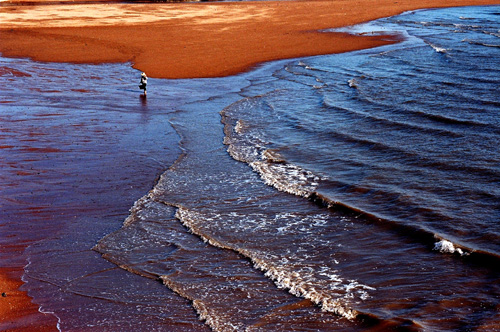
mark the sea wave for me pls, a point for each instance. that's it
(247, 146)
(302, 283)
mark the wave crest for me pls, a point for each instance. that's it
(446, 246)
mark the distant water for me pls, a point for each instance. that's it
(345, 192)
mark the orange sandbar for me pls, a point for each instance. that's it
(194, 39)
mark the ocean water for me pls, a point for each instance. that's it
(358, 191)
(368, 184)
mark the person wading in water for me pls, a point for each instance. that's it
(144, 82)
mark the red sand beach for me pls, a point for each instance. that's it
(171, 41)
(195, 39)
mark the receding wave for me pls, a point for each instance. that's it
(298, 283)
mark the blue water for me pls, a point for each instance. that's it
(406, 133)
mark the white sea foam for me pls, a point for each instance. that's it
(239, 127)
(353, 83)
(302, 284)
(41, 309)
(249, 147)
(331, 294)
(438, 49)
(446, 246)
(286, 177)
(325, 287)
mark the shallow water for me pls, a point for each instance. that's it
(344, 192)
(78, 145)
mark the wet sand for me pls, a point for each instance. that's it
(17, 311)
(166, 41)
(70, 154)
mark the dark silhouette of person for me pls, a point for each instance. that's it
(144, 82)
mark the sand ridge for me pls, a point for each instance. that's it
(107, 14)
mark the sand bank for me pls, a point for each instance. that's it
(196, 39)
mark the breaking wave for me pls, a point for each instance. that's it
(246, 145)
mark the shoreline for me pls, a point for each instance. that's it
(197, 46)
(17, 311)
(195, 40)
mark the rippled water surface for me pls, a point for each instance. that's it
(344, 192)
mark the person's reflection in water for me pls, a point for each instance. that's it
(144, 100)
